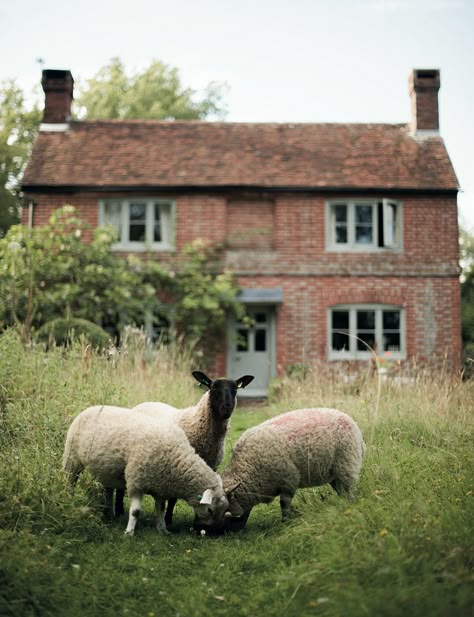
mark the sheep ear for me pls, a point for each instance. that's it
(228, 490)
(202, 378)
(206, 498)
(244, 381)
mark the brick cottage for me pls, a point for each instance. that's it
(338, 233)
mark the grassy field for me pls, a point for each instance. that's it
(405, 547)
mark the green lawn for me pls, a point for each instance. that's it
(405, 547)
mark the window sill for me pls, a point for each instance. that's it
(137, 247)
(334, 357)
(363, 249)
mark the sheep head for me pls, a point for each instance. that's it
(222, 393)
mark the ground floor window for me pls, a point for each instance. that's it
(355, 330)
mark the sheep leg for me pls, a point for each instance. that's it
(160, 515)
(343, 489)
(169, 510)
(285, 505)
(134, 513)
(119, 502)
(109, 503)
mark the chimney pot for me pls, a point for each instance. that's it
(58, 86)
(423, 88)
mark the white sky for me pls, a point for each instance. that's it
(283, 60)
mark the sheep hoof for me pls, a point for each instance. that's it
(129, 533)
(163, 531)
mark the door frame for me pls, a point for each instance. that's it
(271, 310)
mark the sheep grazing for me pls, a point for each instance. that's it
(297, 449)
(205, 424)
(124, 449)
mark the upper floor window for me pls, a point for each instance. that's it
(361, 225)
(141, 224)
(355, 330)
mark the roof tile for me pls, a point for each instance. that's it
(193, 154)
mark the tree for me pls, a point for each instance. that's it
(156, 94)
(200, 293)
(18, 128)
(467, 299)
(56, 275)
(49, 273)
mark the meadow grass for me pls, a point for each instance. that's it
(405, 547)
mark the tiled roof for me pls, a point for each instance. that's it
(139, 153)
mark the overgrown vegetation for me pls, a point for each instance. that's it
(52, 282)
(404, 547)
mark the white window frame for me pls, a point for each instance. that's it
(353, 353)
(167, 220)
(392, 234)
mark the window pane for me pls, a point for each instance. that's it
(260, 340)
(340, 341)
(363, 214)
(365, 330)
(157, 223)
(341, 235)
(113, 217)
(137, 212)
(366, 320)
(242, 340)
(136, 233)
(363, 228)
(340, 213)
(391, 341)
(364, 339)
(340, 320)
(391, 320)
(260, 317)
(136, 227)
(390, 224)
(363, 235)
(157, 232)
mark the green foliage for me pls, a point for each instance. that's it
(49, 272)
(63, 331)
(18, 128)
(202, 292)
(467, 300)
(62, 271)
(404, 547)
(155, 94)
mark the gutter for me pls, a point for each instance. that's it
(233, 188)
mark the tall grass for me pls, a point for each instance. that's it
(405, 547)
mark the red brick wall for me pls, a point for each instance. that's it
(250, 224)
(422, 277)
(432, 308)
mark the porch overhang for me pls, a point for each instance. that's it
(260, 296)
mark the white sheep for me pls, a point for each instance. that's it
(124, 449)
(205, 423)
(297, 449)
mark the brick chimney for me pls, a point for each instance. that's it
(423, 86)
(58, 89)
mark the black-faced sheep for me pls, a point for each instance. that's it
(205, 424)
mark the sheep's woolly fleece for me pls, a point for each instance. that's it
(205, 433)
(301, 448)
(122, 448)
